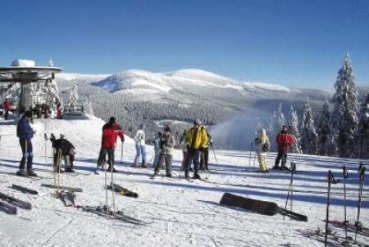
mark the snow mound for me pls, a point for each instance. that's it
(23, 63)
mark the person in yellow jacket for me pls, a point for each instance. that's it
(196, 141)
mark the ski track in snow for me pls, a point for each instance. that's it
(178, 213)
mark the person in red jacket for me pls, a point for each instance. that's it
(7, 107)
(284, 140)
(111, 132)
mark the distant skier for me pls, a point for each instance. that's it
(111, 131)
(25, 135)
(140, 147)
(262, 142)
(284, 140)
(196, 139)
(157, 149)
(62, 148)
(204, 157)
(167, 143)
(7, 107)
(183, 146)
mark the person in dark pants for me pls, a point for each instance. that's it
(7, 107)
(25, 134)
(111, 131)
(204, 157)
(284, 140)
(167, 144)
(196, 139)
(62, 149)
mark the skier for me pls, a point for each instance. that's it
(25, 134)
(167, 143)
(204, 157)
(262, 141)
(182, 145)
(140, 147)
(111, 131)
(156, 143)
(284, 140)
(7, 107)
(63, 148)
(196, 139)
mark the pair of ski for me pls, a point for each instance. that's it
(117, 215)
(332, 238)
(9, 204)
(122, 191)
(351, 226)
(174, 178)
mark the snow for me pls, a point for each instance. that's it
(179, 213)
(23, 63)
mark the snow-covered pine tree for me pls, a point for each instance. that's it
(363, 129)
(324, 144)
(293, 129)
(272, 130)
(73, 96)
(345, 109)
(308, 132)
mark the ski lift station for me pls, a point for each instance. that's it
(26, 72)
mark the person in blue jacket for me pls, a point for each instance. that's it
(25, 134)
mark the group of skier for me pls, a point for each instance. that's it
(194, 143)
(284, 140)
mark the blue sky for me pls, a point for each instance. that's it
(296, 43)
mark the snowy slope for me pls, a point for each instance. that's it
(179, 213)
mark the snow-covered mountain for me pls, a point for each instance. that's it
(232, 108)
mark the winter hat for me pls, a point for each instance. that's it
(167, 129)
(28, 114)
(112, 120)
(197, 122)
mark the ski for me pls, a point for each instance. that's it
(122, 191)
(262, 207)
(351, 226)
(119, 215)
(15, 201)
(333, 239)
(67, 198)
(9, 209)
(24, 189)
(71, 189)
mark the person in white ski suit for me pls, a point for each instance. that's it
(260, 141)
(140, 147)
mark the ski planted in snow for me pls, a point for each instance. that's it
(15, 201)
(7, 208)
(71, 189)
(262, 207)
(25, 189)
(122, 191)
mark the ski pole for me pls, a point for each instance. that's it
(121, 154)
(250, 153)
(345, 176)
(361, 187)
(331, 180)
(45, 139)
(290, 187)
(214, 153)
(106, 190)
(111, 165)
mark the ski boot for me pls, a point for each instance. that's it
(21, 173)
(31, 173)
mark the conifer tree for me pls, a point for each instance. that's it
(293, 129)
(363, 129)
(345, 110)
(324, 144)
(308, 132)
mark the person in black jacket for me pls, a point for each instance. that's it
(63, 149)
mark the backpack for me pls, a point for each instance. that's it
(266, 147)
